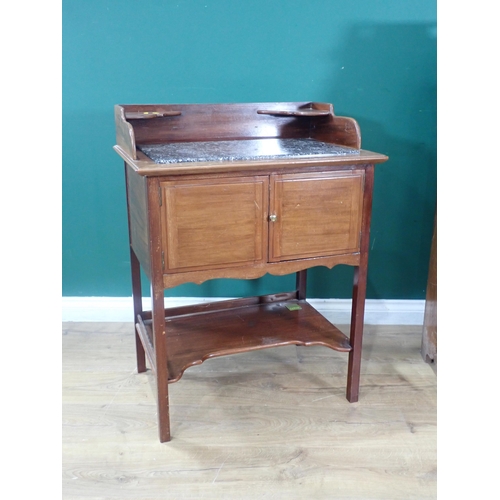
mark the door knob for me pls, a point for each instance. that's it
(273, 218)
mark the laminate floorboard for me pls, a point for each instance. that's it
(270, 424)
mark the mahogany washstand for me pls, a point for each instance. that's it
(238, 191)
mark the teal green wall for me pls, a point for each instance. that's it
(375, 60)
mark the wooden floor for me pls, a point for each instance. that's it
(267, 424)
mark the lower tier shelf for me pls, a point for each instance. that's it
(195, 337)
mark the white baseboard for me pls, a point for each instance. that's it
(119, 309)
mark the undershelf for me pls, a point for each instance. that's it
(236, 327)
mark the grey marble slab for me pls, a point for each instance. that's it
(248, 149)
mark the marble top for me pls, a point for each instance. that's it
(246, 149)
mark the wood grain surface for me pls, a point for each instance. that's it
(202, 220)
(316, 214)
(264, 424)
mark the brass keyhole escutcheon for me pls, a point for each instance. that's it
(273, 218)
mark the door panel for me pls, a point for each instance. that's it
(209, 224)
(315, 214)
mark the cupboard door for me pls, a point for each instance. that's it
(317, 214)
(210, 224)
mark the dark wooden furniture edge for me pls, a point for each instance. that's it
(148, 115)
(146, 337)
(173, 279)
(219, 305)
